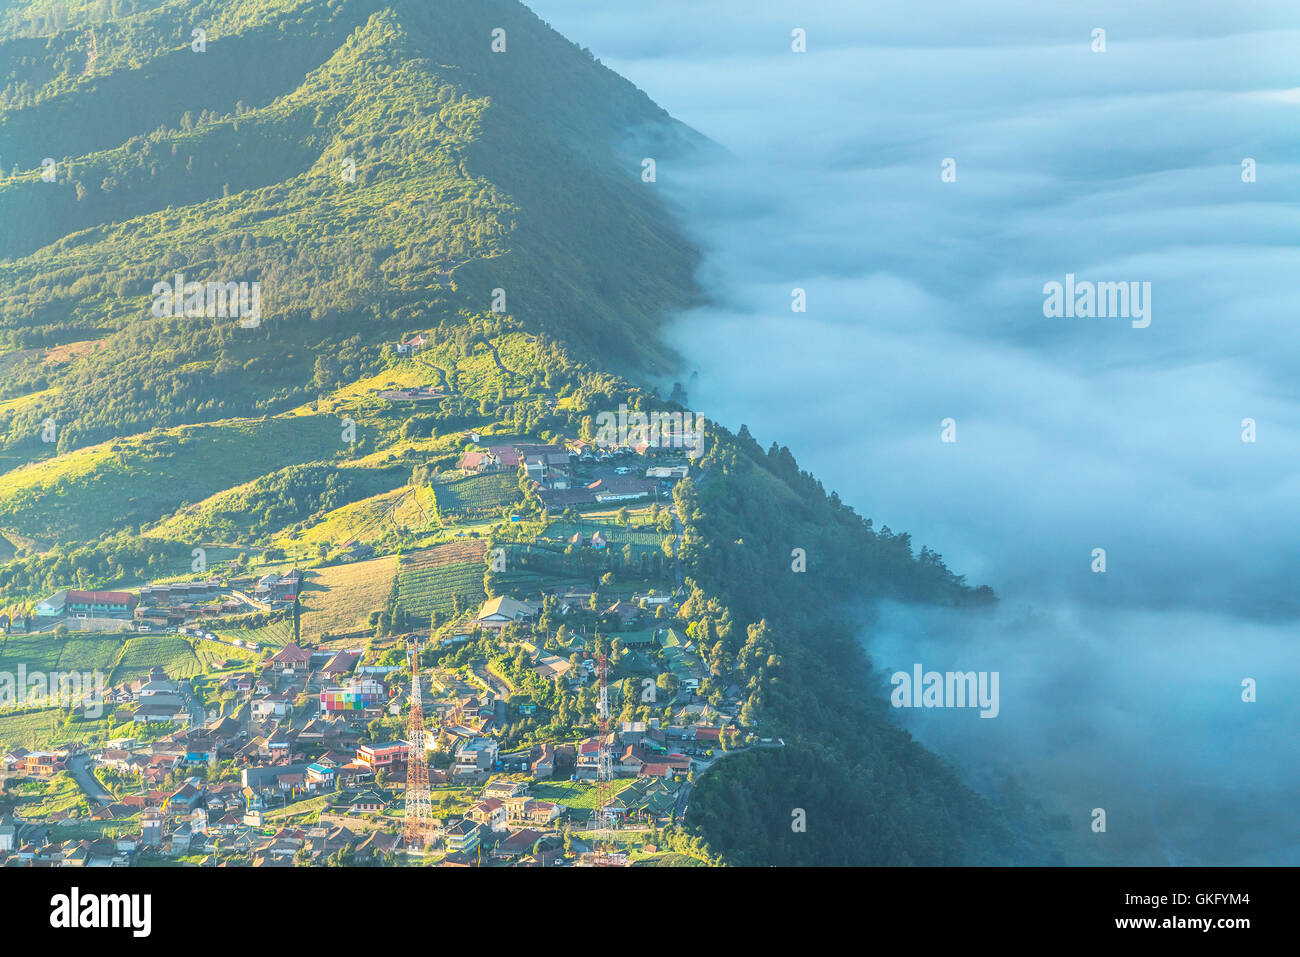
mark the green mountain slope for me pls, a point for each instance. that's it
(406, 170)
(379, 170)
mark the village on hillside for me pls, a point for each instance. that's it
(262, 717)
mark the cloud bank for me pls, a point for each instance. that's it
(925, 303)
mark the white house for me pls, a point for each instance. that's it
(503, 610)
(53, 606)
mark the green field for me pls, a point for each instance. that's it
(120, 658)
(277, 634)
(256, 510)
(84, 493)
(616, 535)
(579, 795)
(48, 727)
(174, 655)
(429, 580)
(476, 495)
(36, 799)
(307, 811)
(48, 652)
(211, 654)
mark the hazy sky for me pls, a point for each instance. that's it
(925, 302)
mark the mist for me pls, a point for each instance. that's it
(1120, 689)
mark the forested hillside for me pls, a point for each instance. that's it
(386, 164)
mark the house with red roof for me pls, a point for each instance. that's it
(291, 658)
(507, 455)
(412, 345)
(100, 604)
(376, 756)
(479, 462)
(341, 664)
(490, 812)
(544, 765)
(517, 844)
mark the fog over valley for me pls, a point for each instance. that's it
(923, 173)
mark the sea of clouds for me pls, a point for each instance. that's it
(1119, 690)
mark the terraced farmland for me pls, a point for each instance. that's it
(211, 654)
(89, 653)
(47, 652)
(256, 510)
(430, 579)
(138, 479)
(120, 658)
(476, 495)
(277, 634)
(141, 655)
(340, 598)
(43, 729)
(614, 534)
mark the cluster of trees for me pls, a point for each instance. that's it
(91, 566)
(288, 496)
(850, 786)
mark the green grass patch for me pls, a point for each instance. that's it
(579, 795)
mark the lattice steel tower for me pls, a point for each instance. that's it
(418, 830)
(603, 824)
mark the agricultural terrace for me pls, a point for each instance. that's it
(49, 652)
(616, 535)
(138, 479)
(177, 656)
(48, 727)
(276, 634)
(339, 598)
(476, 495)
(431, 579)
(119, 657)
